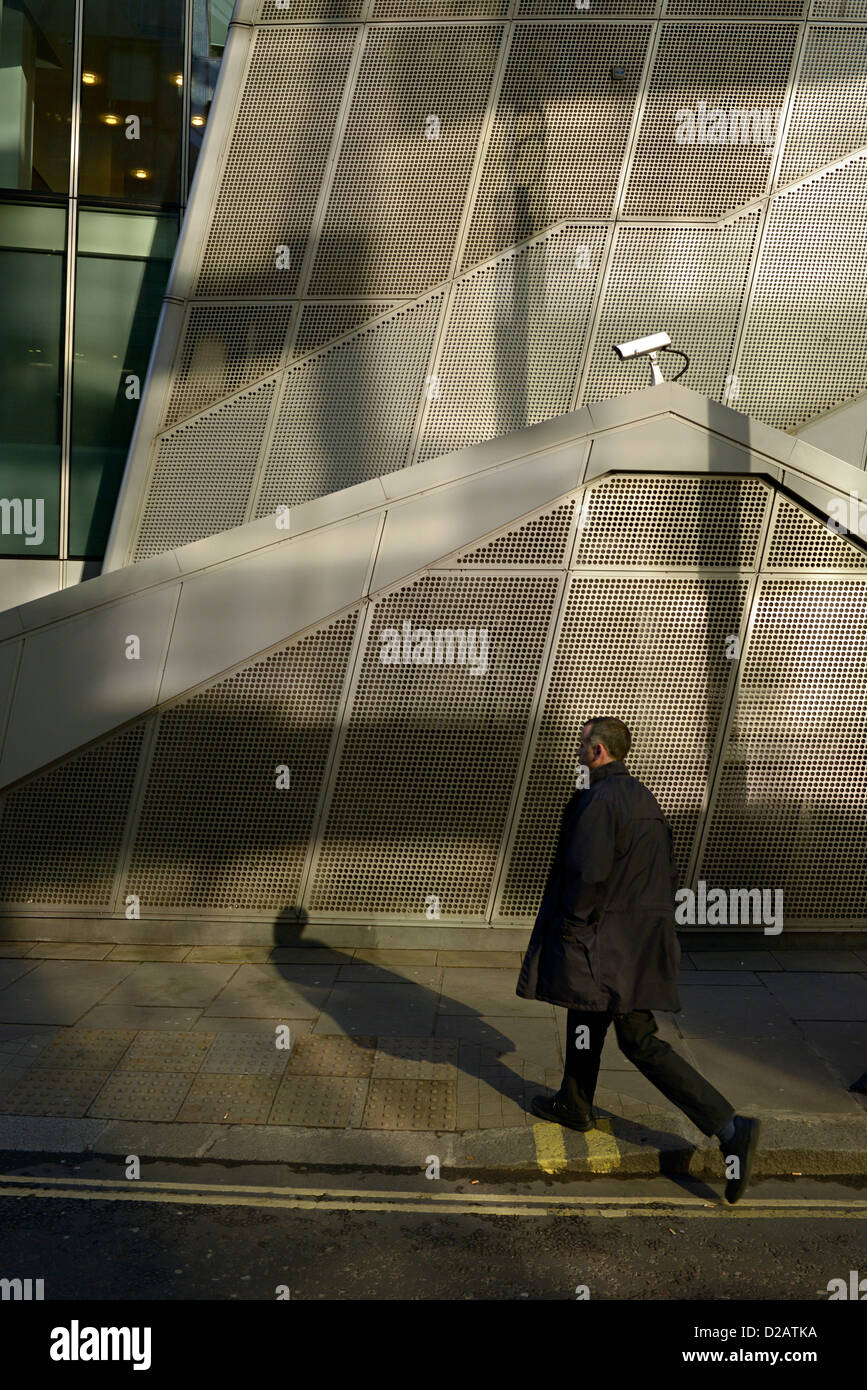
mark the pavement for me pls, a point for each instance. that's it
(387, 1058)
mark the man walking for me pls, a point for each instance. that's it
(604, 946)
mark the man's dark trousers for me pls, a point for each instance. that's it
(639, 1040)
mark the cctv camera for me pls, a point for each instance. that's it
(640, 347)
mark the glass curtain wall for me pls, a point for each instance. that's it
(103, 109)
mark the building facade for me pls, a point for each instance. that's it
(382, 407)
(103, 108)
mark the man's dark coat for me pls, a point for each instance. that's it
(605, 936)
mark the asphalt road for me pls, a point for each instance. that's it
(242, 1232)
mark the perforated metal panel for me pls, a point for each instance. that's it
(830, 118)
(544, 540)
(559, 136)
(792, 802)
(514, 340)
(839, 9)
(440, 9)
(317, 11)
(431, 753)
(672, 521)
(275, 162)
(729, 67)
(225, 348)
(203, 474)
(691, 279)
(322, 323)
(735, 9)
(396, 235)
(61, 831)
(805, 347)
(599, 9)
(799, 541)
(650, 651)
(317, 449)
(214, 829)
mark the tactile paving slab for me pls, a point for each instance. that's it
(142, 1095)
(237, 1100)
(246, 1054)
(93, 1049)
(411, 1105)
(335, 1102)
(168, 1051)
(333, 1055)
(416, 1059)
(44, 1092)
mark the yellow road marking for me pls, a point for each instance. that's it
(602, 1150)
(550, 1149)
(476, 1203)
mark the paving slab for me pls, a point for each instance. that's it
(305, 1101)
(162, 1051)
(70, 950)
(289, 991)
(736, 978)
(180, 985)
(142, 1095)
(817, 995)
(375, 1008)
(266, 1027)
(60, 991)
(506, 960)
(749, 1012)
(781, 1076)
(484, 991)
(529, 1039)
(366, 973)
(240, 1054)
(229, 1099)
(819, 960)
(142, 952)
(94, 1049)
(734, 960)
(67, 1091)
(255, 955)
(394, 957)
(11, 970)
(15, 948)
(842, 1045)
(138, 1016)
(334, 1055)
(416, 1059)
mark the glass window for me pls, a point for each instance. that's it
(122, 269)
(32, 271)
(35, 94)
(210, 32)
(131, 100)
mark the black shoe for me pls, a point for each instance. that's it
(742, 1145)
(552, 1108)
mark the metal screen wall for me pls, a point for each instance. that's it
(430, 222)
(428, 765)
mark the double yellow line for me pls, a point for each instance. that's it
(419, 1200)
